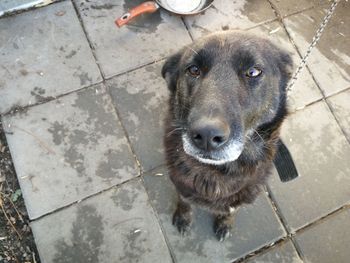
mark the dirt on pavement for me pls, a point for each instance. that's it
(16, 239)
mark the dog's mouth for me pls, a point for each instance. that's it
(228, 153)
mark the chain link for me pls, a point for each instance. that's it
(316, 38)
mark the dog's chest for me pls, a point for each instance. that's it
(205, 185)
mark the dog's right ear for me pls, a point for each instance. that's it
(170, 70)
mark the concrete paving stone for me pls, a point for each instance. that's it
(146, 39)
(44, 53)
(118, 225)
(287, 7)
(341, 108)
(141, 99)
(282, 253)
(329, 62)
(227, 14)
(68, 149)
(328, 240)
(321, 154)
(256, 226)
(305, 90)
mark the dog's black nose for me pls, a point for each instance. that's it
(209, 134)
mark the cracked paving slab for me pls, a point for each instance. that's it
(117, 225)
(255, 226)
(41, 53)
(68, 149)
(145, 40)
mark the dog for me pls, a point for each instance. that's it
(226, 106)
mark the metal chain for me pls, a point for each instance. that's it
(316, 38)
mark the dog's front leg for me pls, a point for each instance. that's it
(182, 217)
(223, 224)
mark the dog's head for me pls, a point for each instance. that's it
(223, 87)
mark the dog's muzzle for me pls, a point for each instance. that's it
(228, 152)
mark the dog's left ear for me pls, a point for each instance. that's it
(286, 64)
(170, 70)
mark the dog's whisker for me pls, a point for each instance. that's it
(257, 133)
(174, 130)
(259, 147)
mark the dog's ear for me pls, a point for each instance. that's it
(170, 70)
(286, 64)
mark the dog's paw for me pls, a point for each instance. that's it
(222, 232)
(182, 222)
(223, 225)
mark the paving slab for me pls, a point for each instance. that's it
(321, 153)
(115, 226)
(287, 7)
(305, 90)
(68, 149)
(256, 226)
(329, 62)
(141, 99)
(44, 53)
(227, 14)
(145, 40)
(282, 253)
(341, 109)
(327, 241)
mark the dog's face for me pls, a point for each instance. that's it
(223, 87)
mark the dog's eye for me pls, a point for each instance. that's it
(253, 72)
(194, 71)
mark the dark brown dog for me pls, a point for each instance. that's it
(226, 107)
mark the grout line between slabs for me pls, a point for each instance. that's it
(87, 37)
(115, 186)
(21, 109)
(322, 219)
(283, 221)
(187, 29)
(298, 248)
(126, 135)
(167, 242)
(262, 250)
(337, 93)
(293, 13)
(135, 68)
(277, 210)
(270, 21)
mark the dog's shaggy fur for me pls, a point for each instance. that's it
(232, 84)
